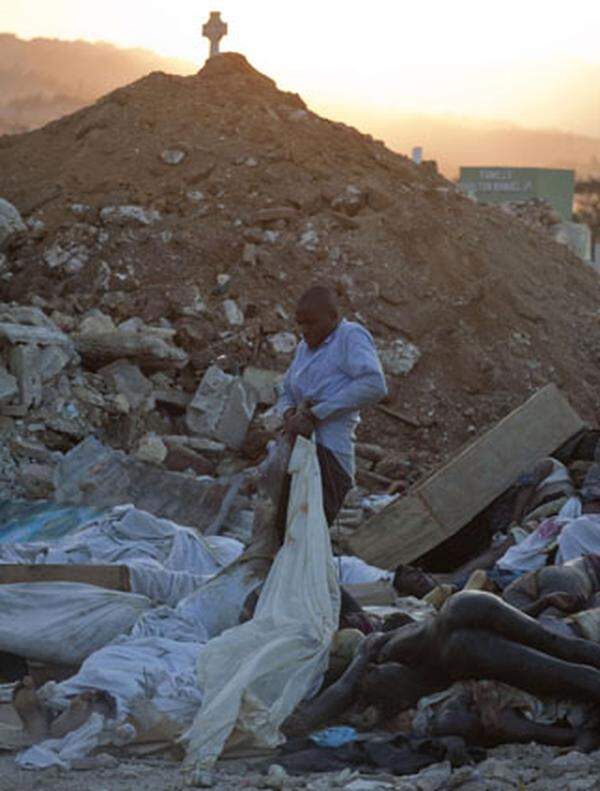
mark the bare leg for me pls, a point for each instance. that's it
(478, 654)
(486, 612)
(30, 709)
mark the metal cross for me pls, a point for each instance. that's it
(214, 30)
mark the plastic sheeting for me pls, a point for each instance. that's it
(354, 571)
(29, 521)
(254, 675)
(64, 622)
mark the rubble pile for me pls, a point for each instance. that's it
(202, 206)
(536, 213)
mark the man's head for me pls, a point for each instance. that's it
(317, 314)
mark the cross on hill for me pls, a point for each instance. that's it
(214, 30)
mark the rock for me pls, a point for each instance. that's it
(250, 253)
(222, 408)
(147, 349)
(398, 357)
(127, 380)
(25, 366)
(573, 762)
(499, 770)
(172, 156)
(195, 196)
(207, 447)
(21, 333)
(277, 777)
(276, 213)
(95, 321)
(181, 458)
(361, 784)
(52, 361)
(264, 382)
(37, 228)
(129, 215)
(378, 200)
(151, 449)
(350, 202)
(9, 387)
(12, 227)
(234, 315)
(63, 321)
(37, 480)
(173, 397)
(93, 474)
(283, 342)
(81, 210)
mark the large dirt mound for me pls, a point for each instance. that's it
(494, 308)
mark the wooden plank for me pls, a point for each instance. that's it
(103, 576)
(440, 506)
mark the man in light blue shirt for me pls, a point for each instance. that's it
(334, 373)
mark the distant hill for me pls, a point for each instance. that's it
(44, 79)
(465, 141)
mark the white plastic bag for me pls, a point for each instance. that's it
(254, 675)
(64, 622)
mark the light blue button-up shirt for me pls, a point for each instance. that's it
(339, 377)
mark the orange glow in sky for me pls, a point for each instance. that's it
(466, 57)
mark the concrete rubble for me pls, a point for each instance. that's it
(146, 326)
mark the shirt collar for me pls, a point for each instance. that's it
(332, 334)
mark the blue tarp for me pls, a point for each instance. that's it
(40, 520)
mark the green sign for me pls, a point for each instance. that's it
(503, 185)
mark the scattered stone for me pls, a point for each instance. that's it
(573, 762)
(195, 196)
(172, 156)
(95, 321)
(283, 342)
(127, 380)
(234, 315)
(9, 387)
(398, 357)
(12, 227)
(37, 480)
(151, 449)
(94, 474)
(129, 215)
(181, 458)
(21, 333)
(24, 364)
(222, 408)
(37, 228)
(147, 349)
(53, 359)
(277, 777)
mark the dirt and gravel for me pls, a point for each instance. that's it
(265, 198)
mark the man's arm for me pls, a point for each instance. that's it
(286, 400)
(361, 363)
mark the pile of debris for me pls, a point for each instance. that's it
(204, 205)
(536, 213)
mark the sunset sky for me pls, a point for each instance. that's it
(488, 60)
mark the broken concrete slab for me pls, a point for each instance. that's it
(264, 382)
(127, 380)
(93, 474)
(222, 408)
(148, 350)
(439, 507)
(53, 359)
(9, 387)
(22, 333)
(24, 364)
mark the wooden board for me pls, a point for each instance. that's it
(111, 577)
(436, 509)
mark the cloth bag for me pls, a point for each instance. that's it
(254, 675)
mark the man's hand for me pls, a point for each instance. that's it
(299, 423)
